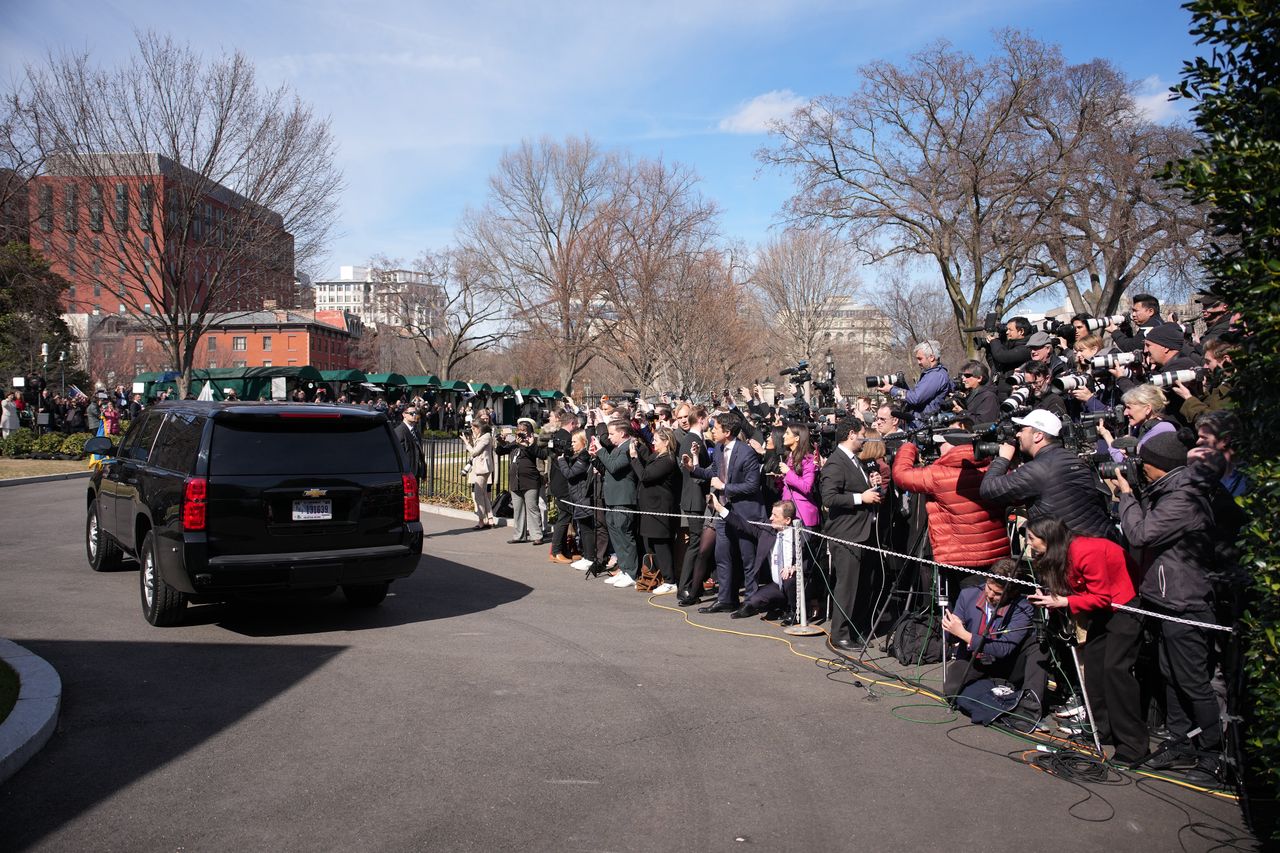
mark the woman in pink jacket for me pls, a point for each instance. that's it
(799, 467)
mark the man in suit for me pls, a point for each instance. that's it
(736, 478)
(779, 555)
(850, 499)
(620, 495)
(692, 420)
(411, 443)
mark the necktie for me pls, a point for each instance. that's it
(724, 465)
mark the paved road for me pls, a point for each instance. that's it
(495, 702)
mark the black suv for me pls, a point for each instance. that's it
(215, 499)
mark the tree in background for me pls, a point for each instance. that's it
(31, 313)
(803, 279)
(207, 125)
(1236, 171)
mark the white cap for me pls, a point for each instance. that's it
(1046, 422)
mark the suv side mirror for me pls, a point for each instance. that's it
(100, 445)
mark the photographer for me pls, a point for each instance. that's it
(1167, 350)
(981, 404)
(1217, 394)
(1044, 350)
(1143, 317)
(964, 528)
(1053, 482)
(925, 398)
(1084, 576)
(993, 624)
(525, 481)
(1170, 531)
(1102, 392)
(620, 495)
(1043, 396)
(572, 471)
(1011, 353)
(561, 447)
(693, 504)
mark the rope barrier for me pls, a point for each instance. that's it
(1208, 626)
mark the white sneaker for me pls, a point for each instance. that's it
(581, 565)
(1072, 710)
(624, 580)
(612, 579)
(664, 589)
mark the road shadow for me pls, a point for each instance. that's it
(131, 708)
(438, 589)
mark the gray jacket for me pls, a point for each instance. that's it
(619, 479)
(1170, 534)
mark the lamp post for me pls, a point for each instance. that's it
(44, 368)
(62, 367)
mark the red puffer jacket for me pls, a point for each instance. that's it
(964, 529)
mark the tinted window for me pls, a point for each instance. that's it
(141, 435)
(179, 443)
(301, 446)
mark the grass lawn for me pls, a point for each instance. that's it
(8, 690)
(11, 468)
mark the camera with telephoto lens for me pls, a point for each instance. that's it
(1102, 363)
(987, 438)
(1166, 379)
(898, 380)
(1016, 400)
(1018, 378)
(1093, 324)
(799, 374)
(1073, 382)
(1129, 467)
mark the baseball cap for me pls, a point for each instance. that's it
(1046, 422)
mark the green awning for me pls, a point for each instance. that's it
(422, 381)
(479, 387)
(551, 395)
(455, 385)
(504, 390)
(386, 379)
(343, 375)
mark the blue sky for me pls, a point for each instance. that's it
(424, 96)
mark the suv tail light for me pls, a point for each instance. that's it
(193, 503)
(411, 508)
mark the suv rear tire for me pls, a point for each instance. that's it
(162, 605)
(365, 594)
(103, 552)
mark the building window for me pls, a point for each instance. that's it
(239, 364)
(146, 201)
(266, 343)
(71, 291)
(239, 344)
(95, 207)
(137, 342)
(46, 210)
(97, 289)
(146, 308)
(266, 363)
(71, 267)
(292, 345)
(122, 207)
(97, 265)
(121, 287)
(146, 243)
(293, 361)
(213, 345)
(122, 268)
(137, 368)
(70, 209)
(212, 364)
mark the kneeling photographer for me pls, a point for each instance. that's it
(1170, 531)
(1052, 482)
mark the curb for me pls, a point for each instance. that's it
(35, 715)
(45, 478)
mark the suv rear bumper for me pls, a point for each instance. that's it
(299, 570)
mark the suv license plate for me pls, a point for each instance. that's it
(312, 510)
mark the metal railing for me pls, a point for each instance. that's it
(445, 458)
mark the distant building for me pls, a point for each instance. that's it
(389, 297)
(110, 228)
(856, 330)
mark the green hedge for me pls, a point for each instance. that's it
(24, 442)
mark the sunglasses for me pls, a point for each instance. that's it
(969, 375)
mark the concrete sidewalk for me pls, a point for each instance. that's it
(35, 715)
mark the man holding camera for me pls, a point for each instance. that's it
(693, 499)
(1043, 395)
(1053, 481)
(1165, 349)
(1143, 317)
(1011, 353)
(925, 398)
(981, 405)
(850, 498)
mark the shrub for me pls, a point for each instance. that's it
(50, 442)
(20, 443)
(73, 445)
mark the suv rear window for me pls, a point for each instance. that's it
(272, 445)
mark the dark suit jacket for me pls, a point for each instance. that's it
(742, 483)
(659, 492)
(693, 493)
(411, 447)
(840, 480)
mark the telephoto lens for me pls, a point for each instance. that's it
(1016, 400)
(1164, 380)
(1117, 359)
(1127, 466)
(1093, 324)
(1071, 382)
(899, 379)
(1017, 379)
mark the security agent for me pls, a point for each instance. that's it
(1053, 482)
(925, 398)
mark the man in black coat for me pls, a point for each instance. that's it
(560, 447)
(1011, 353)
(411, 443)
(850, 499)
(1167, 351)
(1143, 317)
(693, 498)
(981, 405)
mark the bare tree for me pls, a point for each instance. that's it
(804, 279)
(539, 239)
(451, 318)
(658, 228)
(1112, 221)
(936, 159)
(244, 188)
(917, 311)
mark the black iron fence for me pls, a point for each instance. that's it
(445, 460)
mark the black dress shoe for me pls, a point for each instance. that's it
(788, 620)
(538, 541)
(687, 601)
(718, 607)
(743, 612)
(846, 645)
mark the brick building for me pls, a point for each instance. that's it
(114, 223)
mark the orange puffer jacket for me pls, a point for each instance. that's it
(963, 529)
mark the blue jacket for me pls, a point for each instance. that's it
(925, 398)
(1005, 632)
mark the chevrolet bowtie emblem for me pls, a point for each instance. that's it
(315, 493)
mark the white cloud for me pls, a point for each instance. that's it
(757, 114)
(1152, 100)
